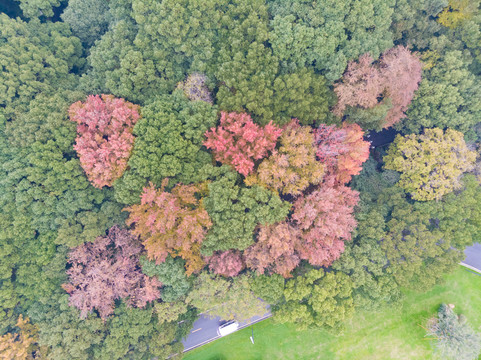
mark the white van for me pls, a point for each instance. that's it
(228, 328)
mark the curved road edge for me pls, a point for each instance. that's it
(240, 328)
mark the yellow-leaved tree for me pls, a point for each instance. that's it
(431, 164)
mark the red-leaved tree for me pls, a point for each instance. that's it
(226, 263)
(239, 142)
(105, 139)
(108, 269)
(343, 151)
(274, 250)
(172, 223)
(325, 219)
(395, 76)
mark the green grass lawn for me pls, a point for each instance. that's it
(393, 333)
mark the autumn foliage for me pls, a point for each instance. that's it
(274, 250)
(106, 270)
(239, 142)
(226, 263)
(293, 167)
(22, 345)
(172, 223)
(343, 150)
(395, 76)
(325, 219)
(105, 139)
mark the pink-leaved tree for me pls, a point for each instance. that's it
(274, 250)
(343, 151)
(325, 218)
(367, 84)
(106, 270)
(226, 263)
(238, 141)
(104, 141)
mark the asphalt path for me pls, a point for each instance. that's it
(205, 329)
(473, 256)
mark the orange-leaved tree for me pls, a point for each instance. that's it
(293, 167)
(22, 345)
(172, 223)
(343, 151)
(274, 250)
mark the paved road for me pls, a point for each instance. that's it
(205, 329)
(473, 256)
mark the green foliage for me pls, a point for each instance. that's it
(44, 179)
(170, 311)
(46, 201)
(224, 298)
(249, 75)
(35, 57)
(129, 334)
(447, 97)
(168, 144)
(431, 163)
(179, 37)
(171, 274)
(268, 288)
(371, 118)
(365, 263)
(88, 19)
(315, 299)
(414, 22)
(37, 8)
(235, 212)
(117, 67)
(327, 34)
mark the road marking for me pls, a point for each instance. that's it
(196, 330)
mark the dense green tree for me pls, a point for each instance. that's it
(447, 97)
(37, 8)
(88, 19)
(119, 68)
(35, 57)
(414, 21)
(316, 298)
(268, 288)
(327, 34)
(171, 273)
(168, 144)
(44, 179)
(249, 76)
(128, 334)
(235, 212)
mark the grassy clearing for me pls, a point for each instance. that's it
(393, 333)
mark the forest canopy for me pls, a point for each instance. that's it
(159, 159)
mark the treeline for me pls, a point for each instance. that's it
(159, 159)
